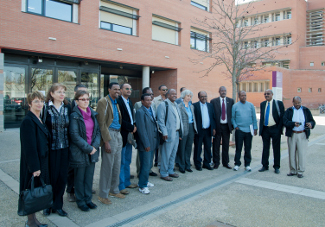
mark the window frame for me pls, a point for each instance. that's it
(112, 24)
(43, 9)
(197, 5)
(207, 39)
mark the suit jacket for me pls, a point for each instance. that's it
(278, 119)
(217, 110)
(185, 119)
(126, 126)
(105, 117)
(147, 131)
(179, 100)
(170, 128)
(137, 105)
(289, 124)
(198, 117)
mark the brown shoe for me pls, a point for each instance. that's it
(167, 178)
(132, 186)
(174, 175)
(125, 192)
(118, 195)
(71, 197)
(104, 200)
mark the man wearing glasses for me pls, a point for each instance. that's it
(159, 99)
(271, 126)
(128, 126)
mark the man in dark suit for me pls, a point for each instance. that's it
(127, 127)
(205, 122)
(222, 109)
(147, 137)
(271, 126)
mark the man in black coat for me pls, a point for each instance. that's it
(205, 121)
(271, 126)
(298, 121)
(127, 127)
(222, 109)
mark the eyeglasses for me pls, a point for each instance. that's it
(128, 89)
(84, 100)
(164, 89)
(267, 93)
(38, 102)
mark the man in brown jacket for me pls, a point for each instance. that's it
(110, 119)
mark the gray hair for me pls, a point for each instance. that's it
(186, 92)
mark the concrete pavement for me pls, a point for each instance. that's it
(208, 198)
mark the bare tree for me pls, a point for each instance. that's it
(235, 43)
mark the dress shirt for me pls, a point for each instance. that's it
(174, 108)
(189, 113)
(116, 120)
(298, 116)
(271, 119)
(52, 104)
(223, 121)
(205, 115)
(126, 102)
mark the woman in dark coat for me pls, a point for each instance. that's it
(57, 121)
(84, 149)
(34, 139)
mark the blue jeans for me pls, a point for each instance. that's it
(145, 166)
(126, 158)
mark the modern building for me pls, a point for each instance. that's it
(144, 43)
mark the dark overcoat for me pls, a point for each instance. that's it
(34, 140)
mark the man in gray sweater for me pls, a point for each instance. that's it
(244, 121)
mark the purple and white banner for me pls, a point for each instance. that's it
(277, 84)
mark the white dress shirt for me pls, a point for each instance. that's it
(271, 119)
(126, 102)
(298, 116)
(205, 115)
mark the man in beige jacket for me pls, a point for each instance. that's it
(110, 119)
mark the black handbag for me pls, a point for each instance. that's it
(35, 199)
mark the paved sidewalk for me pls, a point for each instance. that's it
(208, 198)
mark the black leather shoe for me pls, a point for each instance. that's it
(84, 208)
(41, 225)
(300, 175)
(60, 212)
(216, 166)
(227, 166)
(153, 174)
(291, 174)
(93, 191)
(47, 212)
(276, 170)
(182, 171)
(131, 177)
(156, 164)
(263, 169)
(189, 170)
(198, 168)
(207, 167)
(92, 205)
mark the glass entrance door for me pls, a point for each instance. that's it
(14, 103)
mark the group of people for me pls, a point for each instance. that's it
(60, 140)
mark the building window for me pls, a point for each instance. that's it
(287, 39)
(261, 87)
(57, 9)
(267, 85)
(319, 90)
(299, 89)
(277, 17)
(165, 30)
(246, 45)
(310, 89)
(265, 18)
(287, 14)
(255, 87)
(118, 18)
(323, 63)
(201, 4)
(311, 64)
(276, 41)
(250, 87)
(246, 23)
(199, 40)
(265, 42)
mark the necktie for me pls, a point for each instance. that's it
(223, 110)
(267, 113)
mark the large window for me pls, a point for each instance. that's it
(165, 30)
(118, 18)
(69, 79)
(199, 40)
(201, 4)
(58, 9)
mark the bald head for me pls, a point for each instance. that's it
(296, 101)
(171, 95)
(203, 96)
